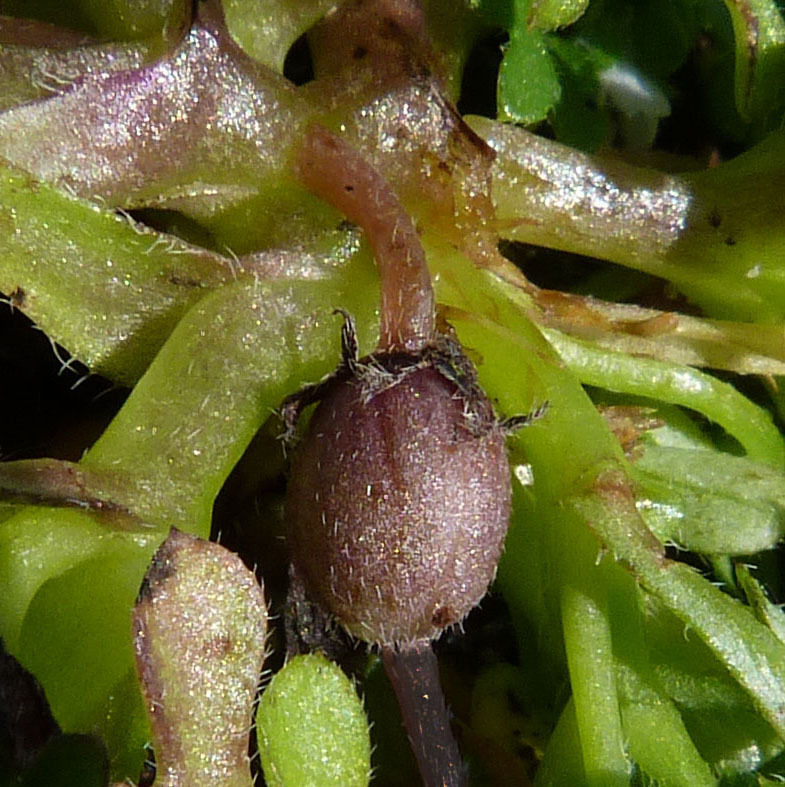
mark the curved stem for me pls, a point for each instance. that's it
(338, 174)
(413, 671)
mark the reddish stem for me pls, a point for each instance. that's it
(338, 174)
(414, 674)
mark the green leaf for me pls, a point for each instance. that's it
(749, 423)
(719, 715)
(266, 29)
(528, 83)
(552, 14)
(752, 654)
(759, 31)
(716, 234)
(655, 36)
(83, 615)
(201, 161)
(37, 544)
(656, 735)
(94, 281)
(588, 642)
(578, 117)
(312, 728)
(112, 291)
(121, 20)
(770, 614)
(222, 372)
(710, 502)
(498, 13)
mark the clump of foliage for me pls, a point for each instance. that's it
(154, 226)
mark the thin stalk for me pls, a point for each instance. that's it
(414, 674)
(339, 175)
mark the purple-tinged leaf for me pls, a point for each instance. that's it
(199, 628)
(205, 120)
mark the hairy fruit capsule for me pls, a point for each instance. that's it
(399, 497)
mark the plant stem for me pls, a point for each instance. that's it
(338, 174)
(413, 671)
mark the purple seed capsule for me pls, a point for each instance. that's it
(399, 499)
